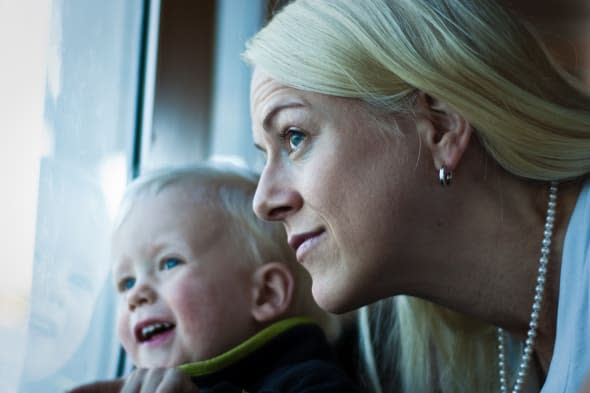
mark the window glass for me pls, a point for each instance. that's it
(70, 102)
(231, 139)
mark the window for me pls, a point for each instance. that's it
(93, 93)
(69, 78)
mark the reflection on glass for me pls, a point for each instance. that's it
(24, 27)
(81, 116)
(70, 267)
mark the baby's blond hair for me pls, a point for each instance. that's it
(230, 189)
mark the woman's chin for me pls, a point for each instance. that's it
(332, 300)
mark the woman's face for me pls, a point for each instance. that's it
(344, 184)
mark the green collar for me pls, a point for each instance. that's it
(220, 362)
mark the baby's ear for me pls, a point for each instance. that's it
(274, 287)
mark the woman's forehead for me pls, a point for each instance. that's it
(264, 89)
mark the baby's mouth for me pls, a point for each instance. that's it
(150, 331)
(43, 326)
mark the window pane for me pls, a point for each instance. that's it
(73, 133)
(231, 139)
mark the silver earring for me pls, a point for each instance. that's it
(445, 176)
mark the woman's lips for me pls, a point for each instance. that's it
(302, 243)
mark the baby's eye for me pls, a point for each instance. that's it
(293, 138)
(126, 284)
(170, 263)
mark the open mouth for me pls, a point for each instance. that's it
(42, 326)
(151, 331)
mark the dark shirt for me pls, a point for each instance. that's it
(294, 358)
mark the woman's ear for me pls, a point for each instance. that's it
(443, 130)
(274, 287)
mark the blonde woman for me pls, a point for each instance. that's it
(431, 148)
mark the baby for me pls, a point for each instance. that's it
(207, 287)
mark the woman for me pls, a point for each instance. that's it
(363, 110)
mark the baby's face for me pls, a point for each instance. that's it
(184, 292)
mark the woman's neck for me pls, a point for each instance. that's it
(488, 263)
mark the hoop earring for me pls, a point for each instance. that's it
(445, 176)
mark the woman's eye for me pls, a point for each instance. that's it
(293, 138)
(170, 263)
(126, 284)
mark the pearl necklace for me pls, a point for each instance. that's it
(536, 309)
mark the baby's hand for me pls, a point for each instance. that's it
(160, 380)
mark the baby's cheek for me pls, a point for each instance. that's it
(124, 332)
(190, 294)
(197, 306)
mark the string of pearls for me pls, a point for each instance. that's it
(536, 309)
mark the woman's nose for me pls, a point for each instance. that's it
(141, 294)
(275, 198)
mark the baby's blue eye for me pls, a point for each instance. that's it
(127, 283)
(170, 263)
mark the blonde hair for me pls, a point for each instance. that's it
(530, 116)
(231, 190)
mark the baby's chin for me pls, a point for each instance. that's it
(164, 361)
(159, 362)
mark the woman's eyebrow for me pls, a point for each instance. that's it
(271, 115)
